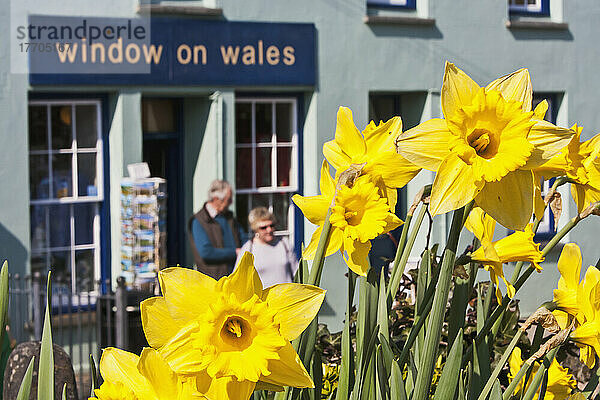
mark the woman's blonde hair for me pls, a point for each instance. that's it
(260, 214)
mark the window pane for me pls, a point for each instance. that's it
(284, 163)
(263, 166)
(86, 174)
(284, 122)
(38, 263)
(62, 132)
(60, 225)
(84, 270)
(158, 115)
(86, 129)
(243, 168)
(264, 122)
(38, 128)
(261, 200)
(243, 122)
(242, 210)
(84, 214)
(381, 108)
(38, 226)
(62, 175)
(38, 177)
(60, 263)
(281, 206)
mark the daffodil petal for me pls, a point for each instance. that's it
(225, 388)
(314, 208)
(326, 183)
(454, 186)
(515, 86)
(335, 243)
(260, 385)
(357, 256)
(120, 366)
(180, 353)
(395, 170)
(335, 156)
(155, 369)
(541, 109)
(548, 140)
(288, 370)
(347, 136)
(426, 145)
(380, 138)
(295, 306)
(157, 322)
(458, 90)
(510, 200)
(569, 265)
(180, 288)
(244, 281)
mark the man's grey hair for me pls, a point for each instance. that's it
(218, 189)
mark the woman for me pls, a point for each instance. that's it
(274, 258)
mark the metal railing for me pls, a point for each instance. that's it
(82, 323)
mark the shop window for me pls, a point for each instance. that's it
(408, 4)
(66, 189)
(529, 7)
(266, 159)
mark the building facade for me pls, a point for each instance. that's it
(247, 92)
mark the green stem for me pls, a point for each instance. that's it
(518, 284)
(539, 375)
(436, 318)
(398, 268)
(500, 365)
(402, 241)
(317, 266)
(513, 384)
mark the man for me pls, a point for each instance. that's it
(215, 235)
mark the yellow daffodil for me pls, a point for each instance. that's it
(147, 377)
(587, 333)
(560, 382)
(565, 296)
(518, 246)
(373, 149)
(580, 162)
(358, 215)
(486, 147)
(232, 333)
(331, 376)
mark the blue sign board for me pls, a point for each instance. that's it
(167, 51)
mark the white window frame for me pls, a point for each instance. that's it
(273, 144)
(529, 8)
(75, 197)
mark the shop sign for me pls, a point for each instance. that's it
(167, 51)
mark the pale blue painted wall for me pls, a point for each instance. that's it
(353, 58)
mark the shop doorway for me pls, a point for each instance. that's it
(163, 151)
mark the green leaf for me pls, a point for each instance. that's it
(365, 383)
(382, 308)
(46, 367)
(381, 374)
(346, 377)
(448, 381)
(539, 375)
(496, 393)
(397, 390)
(64, 392)
(94, 376)
(317, 376)
(25, 388)
(3, 298)
(461, 387)
(387, 353)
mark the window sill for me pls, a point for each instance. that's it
(161, 9)
(397, 20)
(542, 25)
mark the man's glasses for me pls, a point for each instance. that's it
(262, 228)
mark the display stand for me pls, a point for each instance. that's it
(143, 230)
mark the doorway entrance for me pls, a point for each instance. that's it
(163, 151)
